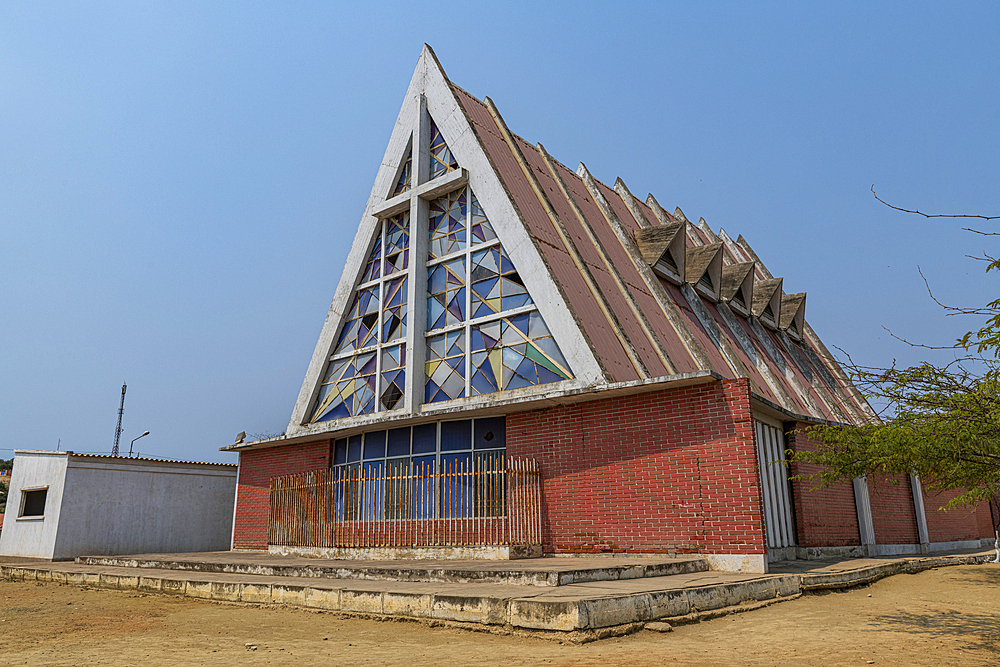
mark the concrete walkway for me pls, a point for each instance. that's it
(564, 598)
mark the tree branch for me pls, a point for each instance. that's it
(942, 215)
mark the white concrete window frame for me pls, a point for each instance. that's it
(25, 492)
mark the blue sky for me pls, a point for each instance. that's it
(180, 181)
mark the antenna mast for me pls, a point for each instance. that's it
(118, 429)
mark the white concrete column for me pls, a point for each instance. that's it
(866, 527)
(918, 510)
(416, 291)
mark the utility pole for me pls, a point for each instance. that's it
(118, 429)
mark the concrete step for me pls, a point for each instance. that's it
(572, 612)
(615, 606)
(525, 572)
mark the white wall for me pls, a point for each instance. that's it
(112, 506)
(33, 537)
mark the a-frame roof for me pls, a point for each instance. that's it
(670, 327)
(596, 261)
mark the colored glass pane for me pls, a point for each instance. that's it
(479, 225)
(393, 376)
(445, 367)
(397, 243)
(394, 312)
(374, 261)
(362, 321)
(348, 388)
(441, 158)
(496, 285)
(403, 184)
(514, 352)
(447, 224)
(446, 286)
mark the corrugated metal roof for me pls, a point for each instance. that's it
(123, 459)
(598, 274)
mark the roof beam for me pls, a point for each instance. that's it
(658, 346)
(652, 281)
(571, 249)
(661, 213)
(632, 203)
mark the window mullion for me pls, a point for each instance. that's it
(468, 290)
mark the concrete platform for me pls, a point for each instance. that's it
(523, 572)
(579, 611)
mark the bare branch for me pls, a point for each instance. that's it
(926, 347)
(974, 231)
(941, 215)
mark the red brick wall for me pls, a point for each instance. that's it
(667, 471)
(823, 517)
(257, 467)
(893, 515)
(985, 513)
(960, 523)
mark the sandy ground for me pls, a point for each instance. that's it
(949, 616)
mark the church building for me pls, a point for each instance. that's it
(521, 360)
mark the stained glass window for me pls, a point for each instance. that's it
(394, 311)
(447, 224)
(482, 230)
(505, 349)
(514, 352)
(446, 284)
(374, 260)
(373, 332)
(393, 376)
(362, 321)
(445, 367)
(404, 177)
(348, 389)
(496, 285)
(441, 158)
(397, 243)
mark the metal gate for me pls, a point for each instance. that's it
(779, 523)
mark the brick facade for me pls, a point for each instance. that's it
(823, 517)
(957, 524)
(893, 514)
(257, 467)
(668, 471)
(665, 471)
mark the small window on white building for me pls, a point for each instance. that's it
(33, 502)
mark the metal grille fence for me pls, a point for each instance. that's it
(488, 501)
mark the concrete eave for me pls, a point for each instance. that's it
(486, 405)
(775, 411)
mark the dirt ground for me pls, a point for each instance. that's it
(948, 616)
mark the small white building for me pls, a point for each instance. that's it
(62, 505)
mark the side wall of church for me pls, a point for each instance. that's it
(670, 471)
(893, 514)
(823, 517)
(958, 524)
(257, 467)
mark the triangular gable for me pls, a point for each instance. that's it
(508, 326)
(704, 269)
(767, 301)
(737, 287)
(793, 314)
(663, 248)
